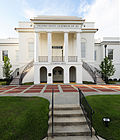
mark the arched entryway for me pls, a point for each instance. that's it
(43, 75)
(58, 75)
(72, 74)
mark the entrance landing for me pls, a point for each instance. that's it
(59, 89)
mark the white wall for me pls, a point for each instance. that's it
(86, 76)
(89, 37)
(11, 45)
(24, 39)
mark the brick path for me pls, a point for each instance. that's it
(59, 89)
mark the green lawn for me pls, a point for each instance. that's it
(2, 82)
(23, 118)
(106, 106)
(29, 83)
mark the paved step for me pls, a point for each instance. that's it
(67, 113)
(69, 123)
(63, 121)
(15, 81)
(65, 107)
(81, 130)
(74, 138)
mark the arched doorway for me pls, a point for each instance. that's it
(72, 74)
(43, 75)
(58, 75)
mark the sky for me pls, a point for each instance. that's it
(105, 14)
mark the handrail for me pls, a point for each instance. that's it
(93, 71)
(28, 66)
(15, 73)
(52, 112)
(87, 110)
(89, 69)
(72, 58)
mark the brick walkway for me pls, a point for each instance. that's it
(58, 89)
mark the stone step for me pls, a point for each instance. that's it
(65, 107)
(15, 82)
(62, 121)
(67, 113)
(81, 130)
(73, 138)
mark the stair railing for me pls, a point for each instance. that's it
(89, 69)
(15, 73)
(25, 70)
(93, 71)
(87, 110)
(52, 112)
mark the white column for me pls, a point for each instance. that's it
(78, 46)
(65, 48)
(49, 47)
(66, 74)
(36, 47)
(36, 74)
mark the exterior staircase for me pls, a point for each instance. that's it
(18, 75)
(94, 72)
(69, 124)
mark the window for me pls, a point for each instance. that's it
(4, 53)
(57, 47)
(95, 55)
(31, 50)
(110, 54)
(83, 50)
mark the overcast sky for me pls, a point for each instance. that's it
(105, 13)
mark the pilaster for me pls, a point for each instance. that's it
(36, 47)
(78, 46)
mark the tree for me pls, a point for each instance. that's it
(7, 68)
(107, 68)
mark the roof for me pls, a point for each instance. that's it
(9, 41)
(63, 18)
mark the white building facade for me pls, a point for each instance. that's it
(57, 46)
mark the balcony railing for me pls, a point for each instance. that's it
(43, 58)
(57, 58)
(72, 58)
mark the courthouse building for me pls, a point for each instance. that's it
(53, 49)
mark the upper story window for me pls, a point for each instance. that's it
(4, 53)
(31, 50)
(110, 54)
(83, 50)
(95, 55)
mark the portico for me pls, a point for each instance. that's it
(57, 45)
(57, 49)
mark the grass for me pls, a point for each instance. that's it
(29, 83)
(23, 118)
(106, 106)
(2, 82)
(88, 82)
